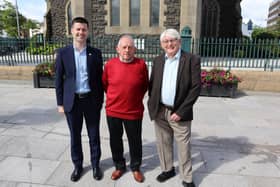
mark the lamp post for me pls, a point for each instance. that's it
(17, 19)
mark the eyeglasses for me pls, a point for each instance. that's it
(171, 41)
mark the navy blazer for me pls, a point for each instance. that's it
(187, 86)
(65, 81)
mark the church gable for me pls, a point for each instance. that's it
(206, 18)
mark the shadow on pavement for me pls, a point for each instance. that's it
(32, 116)
(213, 154)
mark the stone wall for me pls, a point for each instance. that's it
(98, 17)
(172, 14)
(58, 18)
(259, 80)
(16, 72)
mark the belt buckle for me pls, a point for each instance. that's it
(82, 95)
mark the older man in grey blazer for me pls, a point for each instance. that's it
(174, 88)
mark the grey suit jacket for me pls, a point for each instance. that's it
(187, 86)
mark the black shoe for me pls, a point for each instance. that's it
(166, 175)
(186, 184)
(76, 174)
(97, 173)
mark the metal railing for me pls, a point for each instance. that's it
(214, 52)
(238, 53)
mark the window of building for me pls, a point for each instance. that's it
(134, 12)
(135, 16)
(115, 12)
(154, 18)
(210, 17)
(69, 17)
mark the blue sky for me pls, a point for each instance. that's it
(256, 10)
(32, 9)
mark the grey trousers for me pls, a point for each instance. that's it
(165, 131)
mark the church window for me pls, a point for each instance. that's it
(211, 11)
(154, 18)
(115, 12)
(134, 12)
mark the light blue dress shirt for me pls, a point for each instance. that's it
(82, 85)
(169, 79)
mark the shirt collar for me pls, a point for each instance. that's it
(82, 51)
(177, 56)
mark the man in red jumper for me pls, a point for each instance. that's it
(125, 81)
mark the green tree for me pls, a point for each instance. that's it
(1, 24)
(277, 30)
(263, 33)
(8, 21)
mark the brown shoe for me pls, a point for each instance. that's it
(138, 176)
(117, 174)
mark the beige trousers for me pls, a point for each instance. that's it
(165, 131)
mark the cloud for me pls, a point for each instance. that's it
(256, 10)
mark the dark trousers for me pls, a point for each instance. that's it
(133, 129)
(84, 108)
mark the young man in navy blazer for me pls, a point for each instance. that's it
(79, 95)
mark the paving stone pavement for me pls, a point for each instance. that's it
(235, 142)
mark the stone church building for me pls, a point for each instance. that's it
(206, 18)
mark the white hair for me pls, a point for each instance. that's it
(126, 36)
(173, 33)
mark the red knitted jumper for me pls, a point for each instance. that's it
(125, 85)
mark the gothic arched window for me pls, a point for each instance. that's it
(210, 18)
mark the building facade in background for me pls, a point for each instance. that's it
(247, 28)
(206, 18)
(273, 14)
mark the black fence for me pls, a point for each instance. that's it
(214, 52)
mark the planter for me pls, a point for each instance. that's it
(43, 81)
(218, 90)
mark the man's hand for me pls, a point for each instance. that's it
(60, 109)
(175, 117)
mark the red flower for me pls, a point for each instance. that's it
(218, 76)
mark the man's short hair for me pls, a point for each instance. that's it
(125, 36)
(173, 33)
(79, 20)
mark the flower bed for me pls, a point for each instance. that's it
(219, 83)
